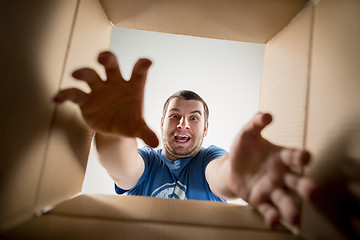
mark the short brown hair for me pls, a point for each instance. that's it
(187, 95)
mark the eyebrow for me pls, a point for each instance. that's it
(177, 110)
(196, 111)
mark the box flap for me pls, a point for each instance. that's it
(45, 147)
(135, 217)
(70, 139)
(333, 135)
(64, 227)
(33, 57)
(284, 85)
(241, 20)
(138, 208)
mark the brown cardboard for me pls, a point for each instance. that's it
(113, 217)
(310, 83)
(32, 61)
(45, 148)
(138, 208)
(284, 84)
(64, 227)
(333, 133)
(69, 141)
(241, 20)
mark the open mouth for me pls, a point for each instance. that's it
(181, 138)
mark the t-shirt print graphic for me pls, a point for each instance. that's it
(170, 190)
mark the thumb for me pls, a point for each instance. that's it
(148, 136)
(257, 124)
(261, 120)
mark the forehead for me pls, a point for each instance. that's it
(186, 106)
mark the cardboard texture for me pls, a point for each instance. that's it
(242, 20)
(143, 217)
(69, 141)
(137, 208)
(45, 148)
(310, 83)
(284, 84)
(33, 71)
(333, 134)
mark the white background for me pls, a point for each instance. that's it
(226, 74)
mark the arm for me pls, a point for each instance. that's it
(114, 109)
(118, 155)
(260, 173)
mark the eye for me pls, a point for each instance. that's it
(193, 118)
(175, 115)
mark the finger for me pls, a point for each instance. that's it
(148, 136)
(72, 94)
(257, 124)
(304, 186)
(90, 76)
(286, 205)
(140, 71)
(294, 157)
(108, 60)
(270, 214)
(260, 193)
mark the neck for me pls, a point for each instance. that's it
(175, 157)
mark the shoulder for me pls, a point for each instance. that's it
(148, 152)
(210, 153)
(213, 152)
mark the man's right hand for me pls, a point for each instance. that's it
(114, 106)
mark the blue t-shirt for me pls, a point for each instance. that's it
(183, 178)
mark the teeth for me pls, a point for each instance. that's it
(181, 138)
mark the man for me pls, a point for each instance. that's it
(178, 170)
(255, 170)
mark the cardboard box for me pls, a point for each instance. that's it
(310, 83)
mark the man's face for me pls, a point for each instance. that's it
(183, 128)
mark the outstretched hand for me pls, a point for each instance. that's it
(114, 106)
(263, 173)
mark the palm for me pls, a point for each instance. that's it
(257, 166)
(114, 106)
(261, 173)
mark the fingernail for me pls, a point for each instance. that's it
(147, 63)
(102, 58)
(267, 117)
(76, 74)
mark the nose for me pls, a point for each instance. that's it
(183, 124)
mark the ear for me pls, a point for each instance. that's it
(206, 127)
(162, 123)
